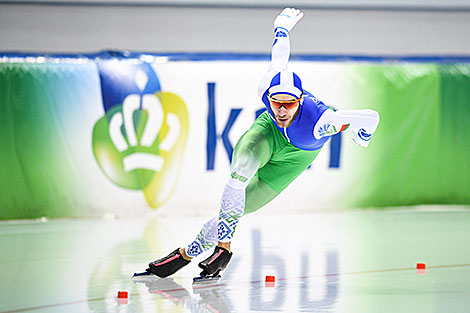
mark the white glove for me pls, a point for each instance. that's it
(288, 18)
(361, 137)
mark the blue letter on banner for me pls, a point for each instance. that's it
(212, 129)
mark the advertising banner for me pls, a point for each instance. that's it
(84, 136)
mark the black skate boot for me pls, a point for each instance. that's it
(212, 266)
(168, 265)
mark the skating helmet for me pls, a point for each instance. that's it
(286, 82)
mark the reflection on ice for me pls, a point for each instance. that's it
(277, 263)
(208, 298)
(331, 288)
(229, 294)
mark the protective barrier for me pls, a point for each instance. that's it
(123, 133)
(332, 4)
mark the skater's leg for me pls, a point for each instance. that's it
(251, 152)
(258, 194)
(206, 239)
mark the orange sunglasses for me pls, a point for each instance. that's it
(288, 104)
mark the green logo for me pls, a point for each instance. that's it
(239, 177)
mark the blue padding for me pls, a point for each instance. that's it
(297, 82)
(221, 56)
(276, 80)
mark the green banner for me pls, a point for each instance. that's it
(422, 146)
(44, 108)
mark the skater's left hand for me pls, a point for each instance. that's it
(361, 137)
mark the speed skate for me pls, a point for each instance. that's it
(212, 266)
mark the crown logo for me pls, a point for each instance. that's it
(139, 145)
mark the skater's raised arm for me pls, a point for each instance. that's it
(283, 24)
(280, 52)
(363, 123)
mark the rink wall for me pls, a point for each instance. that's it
(126, 133)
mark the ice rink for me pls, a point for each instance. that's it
(120, 126)
(345, 261)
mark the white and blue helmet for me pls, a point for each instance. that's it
(286, 82)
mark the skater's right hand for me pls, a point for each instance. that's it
(287, 19)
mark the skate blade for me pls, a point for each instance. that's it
(141, 274)
(206, 279)
(145, 274)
